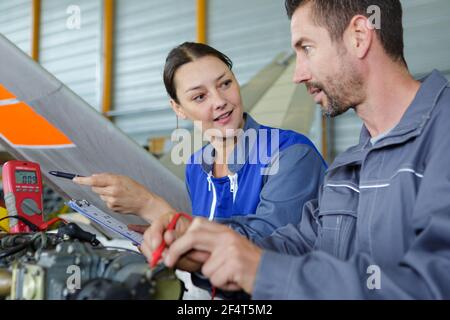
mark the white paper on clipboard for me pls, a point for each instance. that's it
(95, 214)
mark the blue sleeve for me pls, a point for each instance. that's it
(292, 270)
(299, 174)
(187, 180)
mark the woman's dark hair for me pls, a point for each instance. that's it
(185, 53)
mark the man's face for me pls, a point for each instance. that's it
(325, 67)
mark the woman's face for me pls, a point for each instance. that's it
(209, 95)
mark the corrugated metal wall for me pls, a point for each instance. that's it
(73, 55)
(145, 32)
(15, 22)
(427, 47)
(251, 32)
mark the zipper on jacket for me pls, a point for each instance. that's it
(233, 185)
(214, 200)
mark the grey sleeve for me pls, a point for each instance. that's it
(421, 273)
(318, 275)
(300, 172)
(294, 239)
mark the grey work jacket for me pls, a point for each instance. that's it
(381, 226)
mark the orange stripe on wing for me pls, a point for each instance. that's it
(5, 94)
(22, 126)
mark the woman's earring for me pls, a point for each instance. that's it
(177, 121)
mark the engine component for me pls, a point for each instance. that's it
(73, 265)
(5, 282)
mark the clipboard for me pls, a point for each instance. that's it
(95, 214)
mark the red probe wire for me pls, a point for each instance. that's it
(46, 225)
(156, 255)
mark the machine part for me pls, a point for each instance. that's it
(73, 231)
(13, 247)
(68, 265)
(5, 283)
(28, 282)
(103, 289)
(76, 270)
(53, 202)
(168, 287)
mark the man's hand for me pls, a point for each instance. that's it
(124, 195)
(233, 261)
(191, 261)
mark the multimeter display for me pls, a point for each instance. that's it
(26, 177)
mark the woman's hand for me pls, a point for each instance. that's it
(139, 228)
(124, 195)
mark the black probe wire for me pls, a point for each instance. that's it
(30, 224)
(10, 251)
(29, 242)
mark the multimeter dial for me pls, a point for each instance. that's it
(30, 207)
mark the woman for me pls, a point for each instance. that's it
(254, 177)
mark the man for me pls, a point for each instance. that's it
(381, 225)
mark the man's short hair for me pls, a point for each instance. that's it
(335, 16)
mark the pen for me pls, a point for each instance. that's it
(64, 174)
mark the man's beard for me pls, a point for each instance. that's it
(342, 92)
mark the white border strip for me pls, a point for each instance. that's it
(60, 146)
(384, 185)
(411, 171)
(8, 102)
(375, 186)
(342, 185)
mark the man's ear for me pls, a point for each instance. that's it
(359, 35)
(177, 109)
